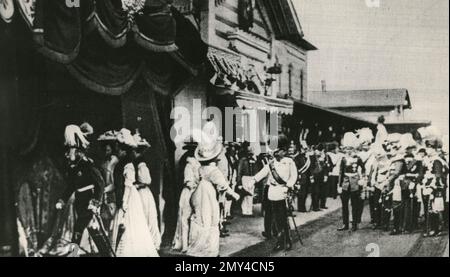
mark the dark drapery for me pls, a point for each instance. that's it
(8, 90)
(106, 50)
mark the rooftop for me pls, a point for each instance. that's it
(361, 98)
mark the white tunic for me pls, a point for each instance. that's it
(287, 170)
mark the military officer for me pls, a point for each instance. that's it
(412, 180)
(83, 179)
(282, 175)
(352, 170)
(435, 189)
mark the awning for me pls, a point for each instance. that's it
(307, 110)
(253, 101)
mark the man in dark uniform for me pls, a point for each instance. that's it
(436, 185)
(320, 168)
(396, 189)
(83, 179)
(303, 163)
(413, 179)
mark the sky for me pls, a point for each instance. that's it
(399, 44)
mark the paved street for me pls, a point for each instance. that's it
(321, 239)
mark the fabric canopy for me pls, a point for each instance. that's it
(107, 45)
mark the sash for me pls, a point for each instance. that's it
(275, 174)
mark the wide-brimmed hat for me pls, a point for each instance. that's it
(209, 147)
(108, 136)
(124, 136)
(208, 151)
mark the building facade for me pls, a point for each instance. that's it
(257, 62)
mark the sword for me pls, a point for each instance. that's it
(119, 235)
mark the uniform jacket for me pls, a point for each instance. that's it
(87, 183)
(352, 169)
(287, 171)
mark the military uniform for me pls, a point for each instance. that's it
(434, 195)
(320, 168)
(303, 163)
(86, 181)
(397, 193)
(282, 176)
(379, 175)
(352, 169)
(411, 182)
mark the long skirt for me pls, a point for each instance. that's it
(136, 240)
(151, 214)
(204, 228)
(181, 240)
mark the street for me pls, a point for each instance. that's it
(321, 239)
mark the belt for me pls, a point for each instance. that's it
(351, 174)
(83, 189)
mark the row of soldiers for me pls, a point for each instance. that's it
(398, 177)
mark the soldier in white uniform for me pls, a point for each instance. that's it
(282, 176)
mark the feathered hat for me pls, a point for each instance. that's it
(76, 136)
(124, 136)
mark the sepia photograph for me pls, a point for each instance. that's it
(238, 129)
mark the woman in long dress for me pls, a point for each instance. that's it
(130, 236)
(204, 226)
(143, 183)
(191, 180)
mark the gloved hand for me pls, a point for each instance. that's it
(60, 204)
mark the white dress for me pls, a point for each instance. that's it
(191, 180)
(137, 240)
(204, 231)
(148, 203)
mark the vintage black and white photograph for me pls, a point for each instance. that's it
(224, 128)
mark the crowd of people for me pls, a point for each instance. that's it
(403, 180)
(115, 211)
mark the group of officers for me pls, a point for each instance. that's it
(403, 180)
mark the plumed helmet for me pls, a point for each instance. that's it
(76, 136)
(407, 141)
(365, 135)
(350, 141)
